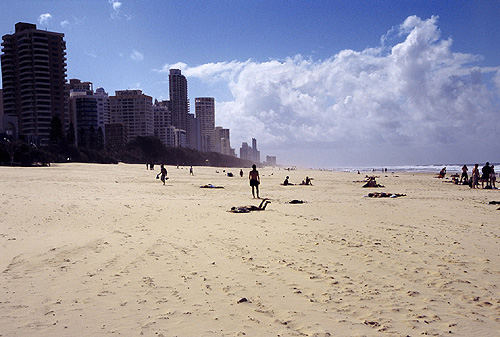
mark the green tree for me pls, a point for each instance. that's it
(70, 136)
(82, 138)
(100, 139)
(56, 130)
(92, 138)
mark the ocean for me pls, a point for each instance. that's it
(434, 168)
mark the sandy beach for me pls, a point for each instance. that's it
(101, 250)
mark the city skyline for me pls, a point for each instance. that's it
(320, 85)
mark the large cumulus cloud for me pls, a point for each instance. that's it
(415, 93)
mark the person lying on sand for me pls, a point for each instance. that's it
(495, 203)
(385, 195)
(210, 186)
(295, 201)
(372, 183)
(248, 209)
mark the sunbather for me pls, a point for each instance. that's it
(247, 209)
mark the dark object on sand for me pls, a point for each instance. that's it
(243, 300)
(385, 195)
(494, 203)
(295, 201)
(248, 209)
(372, 183)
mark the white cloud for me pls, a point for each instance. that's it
(116, 4)
(117, 13)
(497, 80)
(44, 19)
(415, 95)
(64, 23)
(137, 56)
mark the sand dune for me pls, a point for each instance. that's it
(97, 250)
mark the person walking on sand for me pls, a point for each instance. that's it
(241, 173)
(163, 173)
(254, 178)
(191, 171)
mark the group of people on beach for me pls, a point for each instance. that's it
(487, 176)
(253, 176)
(306, 181)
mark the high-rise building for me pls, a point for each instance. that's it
(250, 153)
(83, 109)
(222, 141)
(178, 99)
(103, 108)
(194, 135)
(271, 160)
(205, 113)
(34, 76)
(8, 124)
(2, 127)
(162, 123)
(135, 110)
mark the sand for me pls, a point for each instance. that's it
(101, 250)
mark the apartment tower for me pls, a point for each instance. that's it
(205, 113)
(179, 103)
(33, 77)
(134, 110)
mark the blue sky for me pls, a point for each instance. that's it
(318, 83)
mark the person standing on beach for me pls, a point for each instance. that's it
(465, 175)
(475, 176)
(486, 174)
(254, 178)
(191, 171)
(493, 176)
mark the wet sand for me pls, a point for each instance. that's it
(98, 250)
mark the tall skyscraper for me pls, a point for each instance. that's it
(83, 109)
(34, 76)
(2, 127)
(162, 123)
(222, 141)
(205, 113)
(103, 108)
(250, 153)
(135, 110)
(178, 99)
